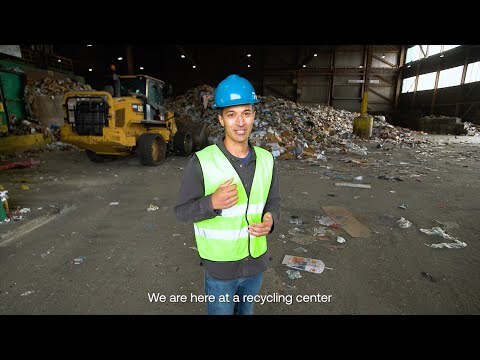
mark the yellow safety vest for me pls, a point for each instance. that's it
(225, 237)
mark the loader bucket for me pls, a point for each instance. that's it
(199, 133)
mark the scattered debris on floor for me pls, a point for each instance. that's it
(293, 274)
(304, 239)
(79, 260)
(347, 221)
(428, 276)
(363, 186)
(306, 264)
(19, 164)
(404, 223)
(456, 244)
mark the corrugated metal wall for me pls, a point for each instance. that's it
(333, 75)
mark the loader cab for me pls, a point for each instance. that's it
(149, 89)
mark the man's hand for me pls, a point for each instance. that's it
(225, 196)
(263, 228)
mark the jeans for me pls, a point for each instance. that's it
(231, 295)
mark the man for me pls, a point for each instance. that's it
(112, 81)
(230, 192)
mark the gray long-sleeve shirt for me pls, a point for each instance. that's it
(193, 206)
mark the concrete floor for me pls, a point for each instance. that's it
(129, 252)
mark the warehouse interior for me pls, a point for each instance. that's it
(377, 152)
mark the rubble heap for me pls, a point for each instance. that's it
(49, 87)
(290, 129)
(471, 129)
(447, 125)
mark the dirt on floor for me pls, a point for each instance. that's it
(103, 238)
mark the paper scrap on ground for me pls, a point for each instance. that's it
(340, 239)
(296, 231)
(79, 260)
(404, 223)
(348, 222)
(363, 186)
(304, 239)
(456, 244)
(324, 220)
(301, 263)
(294, 274)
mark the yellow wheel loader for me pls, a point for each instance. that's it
(125, 120)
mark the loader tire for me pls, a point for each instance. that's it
(183, 143)
(200, 140)
(99, 158)
(151, 149)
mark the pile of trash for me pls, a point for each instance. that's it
(50, 86)
(385, 132)
(288, 129)
(472, 129)
(449, 125)
(24, 127)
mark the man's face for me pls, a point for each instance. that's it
(238, 122)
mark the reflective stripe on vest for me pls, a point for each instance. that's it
(225, 237)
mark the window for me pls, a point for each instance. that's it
(449, 47)
(450, 77)
(413, 54)
(426, 81)
(473, 72)
(408, 84)
(419, 52)
(434, 49)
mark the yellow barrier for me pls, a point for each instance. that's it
(13, 143)
(363, 126)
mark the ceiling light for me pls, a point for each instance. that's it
(59, 60)
(315, 55)
(89, 45)
(304, 66)
(182, 56)
(194, 66)
(120, 58)
(90, 69)
(248, 65)
(249, 55)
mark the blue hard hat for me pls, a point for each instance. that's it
(234, 90)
